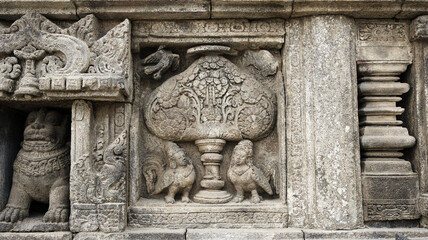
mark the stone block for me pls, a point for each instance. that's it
(136, 234)
(144, 9)
(356, 9)
(323, 163)
(37, 236)
(251, 9)
(243, 234)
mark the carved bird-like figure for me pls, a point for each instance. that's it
(179, 175)
(160, 62)
(244, 175)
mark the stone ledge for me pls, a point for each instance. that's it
(207, 234)
(37, 236)
(206, 9)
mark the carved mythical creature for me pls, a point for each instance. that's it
(160, 62)
(41, 169)
(244, 175)
(179, 175)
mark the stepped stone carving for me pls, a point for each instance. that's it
(41, 168)
(178, 176)
(211, 102)
(244, 175)
(389, 184)
(64, 63)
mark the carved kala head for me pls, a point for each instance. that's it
(242, 153)
(212, 99)
(45, 130)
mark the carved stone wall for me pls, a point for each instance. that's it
(213, 119)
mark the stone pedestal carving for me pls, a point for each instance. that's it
(389, 184)
(322, 133)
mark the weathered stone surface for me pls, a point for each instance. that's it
(58, 9)
(241, 234)
(413, 8)
(322, 138)
(368, 233)
(136, 234)
(144, 9)
(251, 9)
(417, 106)
(354, 8)
(37, 236)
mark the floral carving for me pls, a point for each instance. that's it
(10, 70)
(382, 32)
(215, 92)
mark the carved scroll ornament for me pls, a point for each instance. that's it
(65, 63)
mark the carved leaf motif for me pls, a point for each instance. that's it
(213, 98)
(112, 51)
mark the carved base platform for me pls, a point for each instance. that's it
(389, 197)
(155, 213)
(213, 196)
(239, 234)
(33, 224)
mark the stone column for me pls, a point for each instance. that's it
(390, 186)
(99, 157)
(323, 164)
(416, 114)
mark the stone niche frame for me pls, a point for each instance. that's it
(84, 66)
(234, 37)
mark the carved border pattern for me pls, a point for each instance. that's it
(277, 219)
(384, 32)
(383, 212)
(296, 129)
(108, 217)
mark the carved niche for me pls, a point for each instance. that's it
(41, 171)
(39, 59)
(222, 96)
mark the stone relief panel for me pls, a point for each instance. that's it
(99, 167)
(41, 172)
(40, 60)
(196, 104)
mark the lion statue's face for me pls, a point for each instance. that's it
(45, 130)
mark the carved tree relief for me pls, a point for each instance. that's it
(211, 102)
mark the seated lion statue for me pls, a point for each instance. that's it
(41, 169)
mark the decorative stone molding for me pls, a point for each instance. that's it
(390, 187)
(240, 33)
(70, 63)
